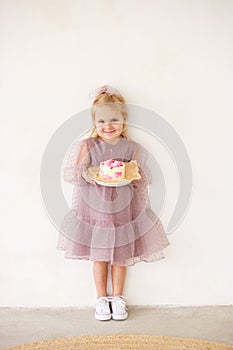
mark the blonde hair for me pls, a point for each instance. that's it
(115, 101)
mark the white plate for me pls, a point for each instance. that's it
(113, 184)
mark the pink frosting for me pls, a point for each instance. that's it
(111, 163)
(105, 176)
(118, 174)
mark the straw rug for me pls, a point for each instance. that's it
(124, 342)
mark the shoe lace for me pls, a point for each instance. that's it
(119, 302)
(103, 302)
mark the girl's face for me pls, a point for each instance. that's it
(109, 123)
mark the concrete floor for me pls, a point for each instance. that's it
(25, 325)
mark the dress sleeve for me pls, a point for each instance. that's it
(141, 156)
(77, 160)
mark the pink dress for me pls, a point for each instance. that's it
(113, 224)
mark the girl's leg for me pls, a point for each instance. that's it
(118, 279)
(100, 271)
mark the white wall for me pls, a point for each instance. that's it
(172, 56)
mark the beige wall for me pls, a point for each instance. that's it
(172, 56)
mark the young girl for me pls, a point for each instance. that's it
(110, 224)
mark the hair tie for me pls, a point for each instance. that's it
(106, 88)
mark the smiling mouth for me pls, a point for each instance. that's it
(109, 132)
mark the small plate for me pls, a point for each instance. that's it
(113, 184)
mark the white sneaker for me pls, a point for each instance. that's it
(102, 309)
(119, 308)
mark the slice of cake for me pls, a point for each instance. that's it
(112, 169)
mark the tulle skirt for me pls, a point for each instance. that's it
(111, 224)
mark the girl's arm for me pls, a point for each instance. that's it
(75, 170)
(140, 154)
(83, 161)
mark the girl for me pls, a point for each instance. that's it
(110, 224)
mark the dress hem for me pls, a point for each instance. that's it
(152, 257)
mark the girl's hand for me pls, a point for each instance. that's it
(86, 177)
(134, 183)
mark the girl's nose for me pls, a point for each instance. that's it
(107, 124)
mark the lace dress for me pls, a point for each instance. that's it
(113, 224)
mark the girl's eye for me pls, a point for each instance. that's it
(115, 120)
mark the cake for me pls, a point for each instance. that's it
(112, 169)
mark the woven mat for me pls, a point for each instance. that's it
(124, 342)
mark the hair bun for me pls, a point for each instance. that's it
(103, 89)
